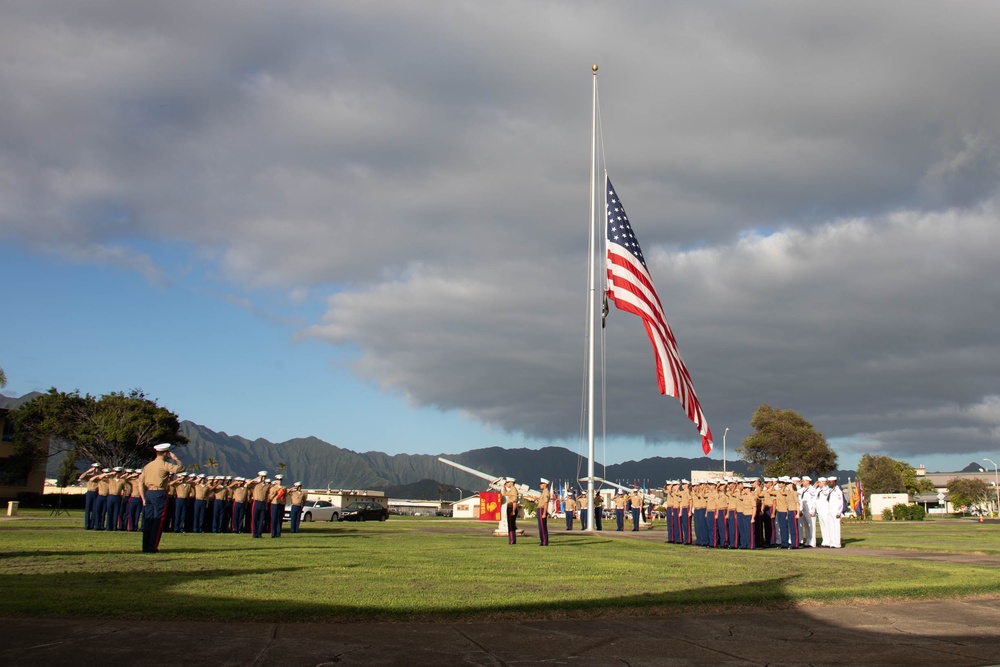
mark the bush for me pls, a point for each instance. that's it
(903, 512)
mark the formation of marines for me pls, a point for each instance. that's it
(193, 503)
(731, 513)
(768, 512)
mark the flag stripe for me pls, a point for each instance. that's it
(631, 289)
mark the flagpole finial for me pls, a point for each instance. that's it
(594, 67)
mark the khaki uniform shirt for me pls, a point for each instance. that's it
(156, 474)
(258, 490)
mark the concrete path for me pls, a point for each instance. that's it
(964, 633)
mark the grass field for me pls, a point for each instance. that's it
(425, 569)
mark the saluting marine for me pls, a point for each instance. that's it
(153, 491)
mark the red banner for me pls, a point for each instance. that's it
(489, 506)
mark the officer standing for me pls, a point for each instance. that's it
(835, 507)
(221, 494)
(115, 484)
(510, 507)
(542, 512)
(621, 500)
(636, 506)
(89, 476)
(297, 498)
(153, 490)
(258, 491)
(569, 509)
(276, 496)
(134, 502)
(807, 518)
(239, 490)
(101, 506)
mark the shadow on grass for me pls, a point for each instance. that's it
(166, 594)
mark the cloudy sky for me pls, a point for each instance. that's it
(368, 221)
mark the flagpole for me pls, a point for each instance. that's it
(591, 260)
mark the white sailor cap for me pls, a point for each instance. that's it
(543, 481)
(239, 479)
(163, 447)
(684, 481)
(831, 479)
(796, 479)
(806, 478)
(261, 473)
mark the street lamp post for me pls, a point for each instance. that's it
(724, 451)
(996, 483)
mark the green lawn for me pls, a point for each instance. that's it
(422, 569)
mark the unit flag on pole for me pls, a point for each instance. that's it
(631, 288)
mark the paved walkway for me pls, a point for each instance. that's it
(963, 633)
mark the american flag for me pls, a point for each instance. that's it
(631, 288)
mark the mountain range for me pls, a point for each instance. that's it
(319, 464)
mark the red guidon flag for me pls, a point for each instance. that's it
(631, 288)
(489, 506)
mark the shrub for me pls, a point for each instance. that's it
(887, 514)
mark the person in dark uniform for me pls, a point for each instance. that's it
(153, 491)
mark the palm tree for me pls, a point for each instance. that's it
(282, 466)
(212, 463)
(3, 378)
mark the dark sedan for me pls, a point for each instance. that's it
(364, 510)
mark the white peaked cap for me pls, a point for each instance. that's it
(261, 472)
(543, 481)
(163, 447)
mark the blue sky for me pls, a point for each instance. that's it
(367, 221)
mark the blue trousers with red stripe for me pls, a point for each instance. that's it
(154, 514)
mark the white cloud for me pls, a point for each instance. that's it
(815, 189)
